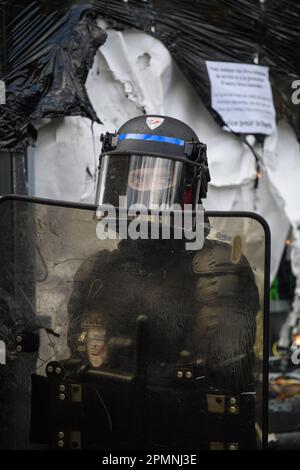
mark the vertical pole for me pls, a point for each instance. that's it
(13, 166)
(17, 278)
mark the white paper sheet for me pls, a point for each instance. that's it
(242, 95)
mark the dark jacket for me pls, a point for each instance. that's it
(200, 305)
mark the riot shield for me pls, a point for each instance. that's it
(130, 344)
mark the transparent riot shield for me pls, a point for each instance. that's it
(130, 344)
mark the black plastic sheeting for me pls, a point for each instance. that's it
(48, 55)
(50, 46)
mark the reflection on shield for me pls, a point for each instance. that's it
(131, 344)
(96, 347)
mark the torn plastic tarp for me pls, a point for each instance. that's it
(49, 54)
(50, 48)
(248, 31)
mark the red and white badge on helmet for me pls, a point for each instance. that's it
(154, 122)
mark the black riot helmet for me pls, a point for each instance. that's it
(153, 161)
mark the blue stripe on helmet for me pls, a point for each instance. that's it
(152, 138)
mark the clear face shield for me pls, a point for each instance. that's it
(142, 180)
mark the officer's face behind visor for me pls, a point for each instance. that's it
(144, 180)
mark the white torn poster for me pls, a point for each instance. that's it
(242, 95)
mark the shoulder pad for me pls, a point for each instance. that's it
(217, 257)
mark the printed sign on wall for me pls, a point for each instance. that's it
(242, 95)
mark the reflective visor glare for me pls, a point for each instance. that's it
(144, 180)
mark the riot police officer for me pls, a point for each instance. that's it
(181, 324)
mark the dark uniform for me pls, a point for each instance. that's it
(191, 301)
(201, 309)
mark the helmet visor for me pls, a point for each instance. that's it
(143, 180)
